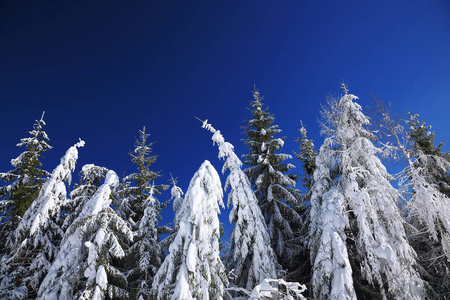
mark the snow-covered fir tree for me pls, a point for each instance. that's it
(136, 189)
(176, 194)
(139, 206)
(307, 155)
(91, 178)
(302, 263)
(423, 184)
(147, 250)
(331, 273)
(84, 266)
(251, 259)
(38, 235)
(23, 183)
(274, 189)
(193, 269)
(426, 180)
(354, 216)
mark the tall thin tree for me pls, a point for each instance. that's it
(274, 187)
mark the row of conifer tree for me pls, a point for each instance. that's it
(348, 234)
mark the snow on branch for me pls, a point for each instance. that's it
(252, 258)
(273, 289)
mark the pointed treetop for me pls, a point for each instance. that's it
(255, 92)
(172, 180)
(38, 125)
(143, 135)
(303, 130)
(344, 87)
(42, 117)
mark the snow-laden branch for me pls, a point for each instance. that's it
(251, 256)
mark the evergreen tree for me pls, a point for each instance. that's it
(273, 187)
(140, 183)
(354, 217)
(332, 273)
(193, 269)
(307, 156)
(251, 259)
(427, 181)
(147, 250)
(85, 267)
(424, 186)
(23, 183)
(176, 195)
(91, 177)
(141, 209)
(38, 235)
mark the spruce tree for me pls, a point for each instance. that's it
(274, 188)
(307, 155)
(139, 184)
(141, 209)
(426, 180)
(193, 269)
(251, 259)
(331, 273)
(146, 250)
(23, 183)
(38, 235)
(91, 178)
(86, 264)
(424, 188)
(354, 217)
(176, 194)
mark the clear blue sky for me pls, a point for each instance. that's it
(104, 69)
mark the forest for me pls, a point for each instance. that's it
(341, 228)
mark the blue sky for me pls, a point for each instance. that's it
(104, 69)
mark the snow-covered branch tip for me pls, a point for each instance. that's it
(344, 86)
(80, 143)
(303, 130)
(42, 117)
(172, 180)
(217, 136)
(207, 126)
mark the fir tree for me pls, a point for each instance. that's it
(176, 195)
(423, 185)
(140, 183)
(193, 269)
(91, 177)
(307, 156)
(332, 273)
(354, 217)
(23, 183)
(85, 265)
(147, 250)
(426, 180)
(274, 190)
(142, 210)
(38, 235)
(251, 259)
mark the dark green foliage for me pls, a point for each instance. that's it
(421, 138)
(307, 156)
(429, 181)
(138, 185)
(429, 156)
(274, 189)
(141, 209)
(24, 182)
